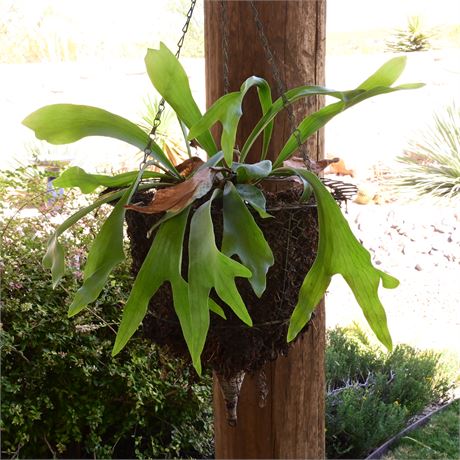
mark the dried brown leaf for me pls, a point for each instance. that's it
(315, 166)
(178, 197)
(188, 166)
(170, 153)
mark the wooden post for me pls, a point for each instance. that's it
(291, 425)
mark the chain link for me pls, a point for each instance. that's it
(224, 28)
(279, 82)
(161, 106)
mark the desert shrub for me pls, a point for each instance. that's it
(413, 38)
(372, 394)
(63, 394)
(357, 421)
(348, 359)
(418, 378)
(431, 167)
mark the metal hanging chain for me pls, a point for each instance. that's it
(279, 82)
(340, 190)
(224, 29)
(161, 105)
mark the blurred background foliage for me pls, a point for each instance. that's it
(51, 31)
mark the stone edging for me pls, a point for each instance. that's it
(382, 450)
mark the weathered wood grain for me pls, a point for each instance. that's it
(291, 425)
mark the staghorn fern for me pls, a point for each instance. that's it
(432, 166)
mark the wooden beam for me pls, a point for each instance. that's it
(296, 34)
(291, 425)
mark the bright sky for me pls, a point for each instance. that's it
(356, 15)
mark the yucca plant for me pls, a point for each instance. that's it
(168, 137)
(203, 273)
(431, 167)
(413, 38)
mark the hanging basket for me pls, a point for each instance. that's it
(231, 345)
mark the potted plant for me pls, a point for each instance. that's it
(198, 230)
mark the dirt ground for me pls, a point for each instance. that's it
(420, 245)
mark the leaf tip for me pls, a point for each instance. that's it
(54, 283)
(292, 332)
(26, 121)
(197, 366)
(75, 307)
(387, 342)
(388, 281)
(116, 349)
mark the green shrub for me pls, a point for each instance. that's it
(62, 393)
(432, 165)
(371, 394)
(348, 358)
(418, 378)
(358, 420)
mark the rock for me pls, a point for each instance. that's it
(378, 199)
(362, 198)
(440, 228)
(418, 268)
(366, 193)
(423, 246)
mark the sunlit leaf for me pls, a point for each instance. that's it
(339, 252)
(386, 75)
(209, 268)
(252, 172)
(67, 123)
(54, 257)
(162, 263)
(170, 80)
(87, 183)
(105, 253)
(279, 105)
(307, 127)
(243, 237)
(217, 309)
(228, 110)
(317, 120)
(378, 83)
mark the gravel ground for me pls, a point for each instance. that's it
(420, 245)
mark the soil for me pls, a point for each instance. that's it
(231, 345)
